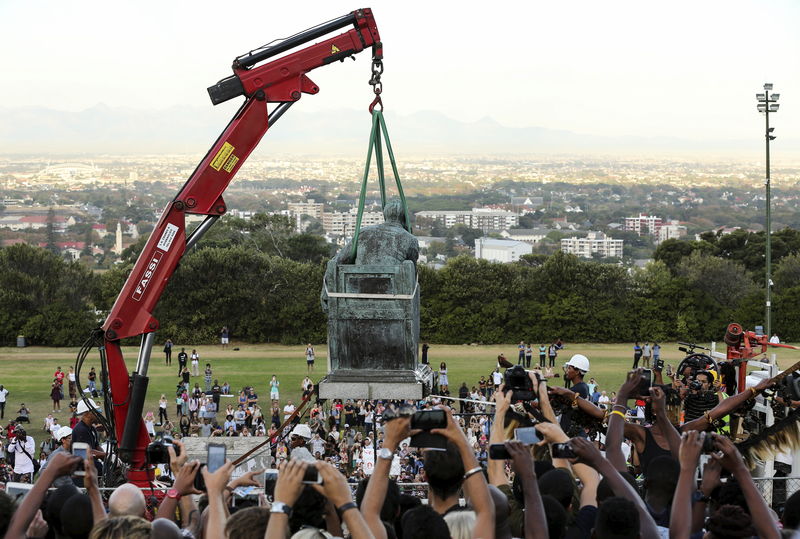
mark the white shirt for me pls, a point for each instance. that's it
(497, 378)
(71, 376)
(287, 411)
(3, 393)
(775, 339)
(23, 464)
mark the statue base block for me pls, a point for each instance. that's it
(377, 384)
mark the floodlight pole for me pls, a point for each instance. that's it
(765, 101)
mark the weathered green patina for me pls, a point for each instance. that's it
(371, 297)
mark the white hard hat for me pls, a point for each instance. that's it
(82, 408)
(63, 432)
(302, 430)
(580, 362)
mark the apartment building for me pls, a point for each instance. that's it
(594, 243)
(643, 225)
(501, 250)
(671, 230)
(344, 223)
(482, 219)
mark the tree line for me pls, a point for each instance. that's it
(263, 282)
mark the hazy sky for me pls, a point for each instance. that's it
(687, 69)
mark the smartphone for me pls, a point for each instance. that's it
(311, 476)
(216, 457)
(429, 419)
(669, 370)
(270, 478)
(659, 366)
(80, 449)
(527, 435)
(644, 385)
(562, 451)
(17, 491)
(498, 452)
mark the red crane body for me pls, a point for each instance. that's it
(283, 81)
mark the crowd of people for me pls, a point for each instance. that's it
(615, 464)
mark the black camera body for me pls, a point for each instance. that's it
(157, 452)
(519, 383)
(695, 385)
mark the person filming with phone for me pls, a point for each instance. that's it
(22, 446)
(85, 432)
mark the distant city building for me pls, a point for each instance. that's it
(528, 235)
(479, 218)
(117, 250)
(344, 224)
(501, 250)
(594, 243)
(36, 222)
(643, 225)
(314, 209)
(523, 205)
(671, 230)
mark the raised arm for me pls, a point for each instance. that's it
(616, 420)
(497, 474)
(62, 464)
(535, 521)
(680, 519)
(731, 460)
(590, 455)
(659, 404)
(726, 407)
(395, 431)
(475, 486)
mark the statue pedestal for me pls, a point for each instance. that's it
(373, 334)
(377, 384)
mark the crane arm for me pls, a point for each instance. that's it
(282, 80)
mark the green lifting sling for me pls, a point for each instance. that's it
(378, 129)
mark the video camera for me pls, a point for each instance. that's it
(519, 383)
(158, 452)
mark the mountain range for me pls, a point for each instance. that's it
(117, 130)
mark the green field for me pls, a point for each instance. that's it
(28, 372)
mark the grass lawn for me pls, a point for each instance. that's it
(28, 372)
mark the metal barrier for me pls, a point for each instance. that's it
(776, 490)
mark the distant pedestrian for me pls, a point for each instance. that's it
(92, 382)
(56, 395)
(646, 353)
(775, 339)
(208, 375)
(3, 396)
(637, 355)
(521, 353)
(195, 363)
(425, 348)
(542, 355)
(552, 353)
(73, 385)
(162, 409)
(183, 360)
(310, 358)
(274, 385)
(443, 383)
(168, 352)
(528, 356)
(223, 337)
(656, 354)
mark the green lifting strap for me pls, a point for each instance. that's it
(378, 128)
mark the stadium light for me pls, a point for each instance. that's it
(762, 101)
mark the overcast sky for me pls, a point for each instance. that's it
(687, 69)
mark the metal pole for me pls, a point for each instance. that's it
(768, 314)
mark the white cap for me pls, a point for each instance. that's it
(63, 432)
(580, 362)
(82, 408)
(302, 430)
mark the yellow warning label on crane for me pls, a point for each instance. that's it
(222, 156)
(334, 49)
(230, 163)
